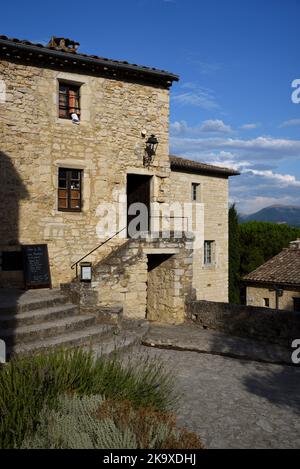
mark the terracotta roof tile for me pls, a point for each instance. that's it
(126, 66)
(180, 163)
(281, 269)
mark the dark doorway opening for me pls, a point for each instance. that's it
(138, 204)
(160, 286)
(296, 304)
(154, 260)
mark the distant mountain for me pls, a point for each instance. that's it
(287, 214)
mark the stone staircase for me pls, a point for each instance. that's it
(36, 320)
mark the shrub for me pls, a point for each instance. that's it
(91, 422)
(152, 428)
(29, 384)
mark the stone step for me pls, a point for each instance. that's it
(110, 314)
(37, 316)
(15, 301)
(24, 334)
(131, 334)
(86, 337)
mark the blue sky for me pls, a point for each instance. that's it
(236, 60)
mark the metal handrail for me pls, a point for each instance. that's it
(113, 236)
(95, 249)
(171, 217)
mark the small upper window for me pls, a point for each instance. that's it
(195, 190)
(296, 304)
(69, 189)
(208, 252)
(69, 101)
(266, 302)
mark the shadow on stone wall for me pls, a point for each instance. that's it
(12, 191)
(263, 324)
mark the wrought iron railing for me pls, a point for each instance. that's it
(95, 249)
(161, 217)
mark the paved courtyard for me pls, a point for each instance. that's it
(234, 403)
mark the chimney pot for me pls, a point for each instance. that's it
(62, 43)
(295, 244)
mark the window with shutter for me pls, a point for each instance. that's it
(69, 100)
(69, 189)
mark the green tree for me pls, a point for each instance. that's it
(259, 241)
(234, 256)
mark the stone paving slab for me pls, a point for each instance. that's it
(232, 403)
(190, 337)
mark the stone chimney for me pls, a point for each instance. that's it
(295, 244)
(64, 44)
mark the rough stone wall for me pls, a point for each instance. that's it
(161, 288)
(123, 279)
(106, 146)
(256, 295)
(268, 325)
(210, 282)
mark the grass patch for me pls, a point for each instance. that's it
(29, 384)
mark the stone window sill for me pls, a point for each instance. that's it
(209, 266)
(69, 122)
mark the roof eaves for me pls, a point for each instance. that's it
(88, 59)
(269, 283)
(179, 163)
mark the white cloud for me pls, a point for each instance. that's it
(260, 183)
(250, 126)
(257, 149)
(215, 126)
(210, 126)
(179, 128)
(290, 123)
(285, 179)
(194, 95)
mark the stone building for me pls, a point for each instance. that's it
(276, 283)
(83, 139)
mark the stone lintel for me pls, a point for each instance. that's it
(161, 250)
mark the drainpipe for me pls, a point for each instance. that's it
(278, 294)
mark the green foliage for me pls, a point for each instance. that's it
(259, 241)
(91, 422)
(28, 384)
(234, 256)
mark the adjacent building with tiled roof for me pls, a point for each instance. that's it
(184, 164)
(276, 283)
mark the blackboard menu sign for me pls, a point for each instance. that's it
(36, 266)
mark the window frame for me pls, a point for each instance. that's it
(75, 87)
(296, 299)
(68, 188)
(208, 244)
(267, 302)
(195, 193)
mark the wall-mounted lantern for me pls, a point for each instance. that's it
(150, 150)
(85, 271)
